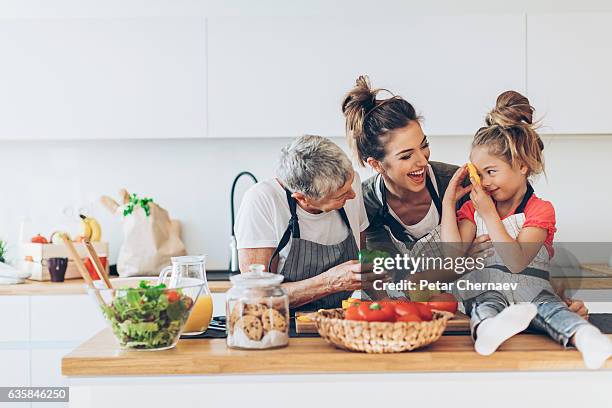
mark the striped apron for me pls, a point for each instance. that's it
(307, 259)
(427, 245)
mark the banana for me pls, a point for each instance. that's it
(96, 230)
(90, 228)
(85, 227)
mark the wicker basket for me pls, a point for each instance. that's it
(379, 337)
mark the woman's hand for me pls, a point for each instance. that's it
(351, 275)
(480, 247)
(483, 203)
(578, 307)
(455, 190)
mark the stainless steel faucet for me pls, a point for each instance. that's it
(233, 264)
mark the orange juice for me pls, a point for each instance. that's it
(200, 315)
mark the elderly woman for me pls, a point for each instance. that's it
(306, 224)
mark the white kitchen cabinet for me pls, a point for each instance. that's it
(14, 319)
(65, 318)
(47, 367)
(47, 372)
(102, 78)
(283, 77)
(569, 64)
(15, 370)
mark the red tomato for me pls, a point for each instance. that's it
(377, 312)
(352, 312)
(172, 296)
(409, 318)
(404, 308)
(39, 239)
(446, 306)
(424, 311)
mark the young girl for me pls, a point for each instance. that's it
(521, 227)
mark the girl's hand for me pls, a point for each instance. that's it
(483, 203)
(455, 190)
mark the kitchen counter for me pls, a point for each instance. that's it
(218, 282)
(77, 286)
(101, 356)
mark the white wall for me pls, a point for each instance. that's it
(192, 179)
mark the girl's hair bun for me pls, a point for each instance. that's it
(511, 109)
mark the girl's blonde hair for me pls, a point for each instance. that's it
(511, 133)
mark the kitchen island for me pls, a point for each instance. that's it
(310, 371)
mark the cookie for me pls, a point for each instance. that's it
(274, 320)
(255, 309)
(234, 316)
(251, 326)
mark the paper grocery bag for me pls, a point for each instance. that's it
(148, 241)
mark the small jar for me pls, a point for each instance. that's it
(257, 311)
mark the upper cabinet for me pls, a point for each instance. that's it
(569, 71)
(283, 77)
(103, 78)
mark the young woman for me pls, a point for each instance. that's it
(404, 200)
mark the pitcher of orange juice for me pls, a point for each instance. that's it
(191, 267)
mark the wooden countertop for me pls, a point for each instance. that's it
(74, 287)
(77, 286)
(101, 356)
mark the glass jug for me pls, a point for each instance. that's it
(191, 267)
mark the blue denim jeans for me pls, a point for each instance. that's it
(553, 318)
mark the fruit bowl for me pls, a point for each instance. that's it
(144, 315)
(379, 337)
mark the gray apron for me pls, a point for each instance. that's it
(307, 259)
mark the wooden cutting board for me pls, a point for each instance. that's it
(458, 323)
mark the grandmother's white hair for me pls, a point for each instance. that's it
(314, 166)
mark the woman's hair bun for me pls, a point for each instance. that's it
(359, 100)
(511, 109)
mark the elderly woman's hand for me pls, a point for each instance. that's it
(351, 275)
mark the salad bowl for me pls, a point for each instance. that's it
(145, 315)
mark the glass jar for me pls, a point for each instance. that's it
(257, 311)
(184, 267)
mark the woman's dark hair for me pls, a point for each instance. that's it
(369, 120)
(510, 133)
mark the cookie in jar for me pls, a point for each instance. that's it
(257, 311)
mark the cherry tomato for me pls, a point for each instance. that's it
(443, 301)
(445, 306)
(352, 312)
(377, 311)
(403, 308)
(172, 296)
(424, 311)
(409, 318)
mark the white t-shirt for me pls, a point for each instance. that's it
(264, 216)
(427, 223)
